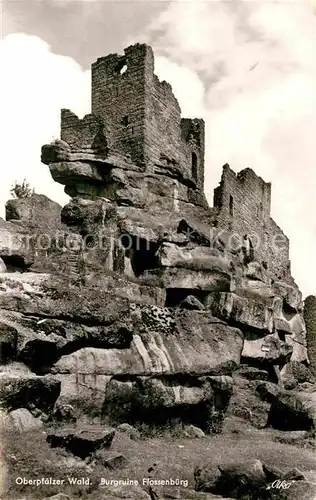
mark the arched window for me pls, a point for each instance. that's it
(194, 166)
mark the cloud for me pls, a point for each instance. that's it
(36, 86)
(256, 61)
(186, 85)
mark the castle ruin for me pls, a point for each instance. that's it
(162, 309)
(134, 149)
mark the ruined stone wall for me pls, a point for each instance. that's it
(193, 134)
(278, 248)
(243, 204)
(163, 116)
(118, 97)
(87, 133)
(170, 140)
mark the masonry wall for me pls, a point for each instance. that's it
(170, 140)
(163, 117)
(87, 133)
(118, 97)
(243, 206)
(278, 249)
(193, 136)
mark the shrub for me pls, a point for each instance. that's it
(22, 189)
(310, 320)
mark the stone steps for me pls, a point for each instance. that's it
(73, 263)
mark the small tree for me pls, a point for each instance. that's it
(22, 190)
(310, 320)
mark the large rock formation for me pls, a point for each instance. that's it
(34, 211)
(149, 299)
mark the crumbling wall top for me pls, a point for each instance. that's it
(243, 203)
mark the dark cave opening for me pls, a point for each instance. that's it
(174, 296)
(15, 263)
(288, 311)
(286, 418)
(141, 252)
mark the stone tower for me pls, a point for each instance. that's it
(137, 117)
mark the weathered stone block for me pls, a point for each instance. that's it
(249, 314)
(35, 211)
(290, 294)
(172, 344)
(24, 421)
(81, 442)
(75, 171)
(207, 280)
(196, 258)
(267, 351)
(20, 390)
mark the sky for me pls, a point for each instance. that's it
(247, 67)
